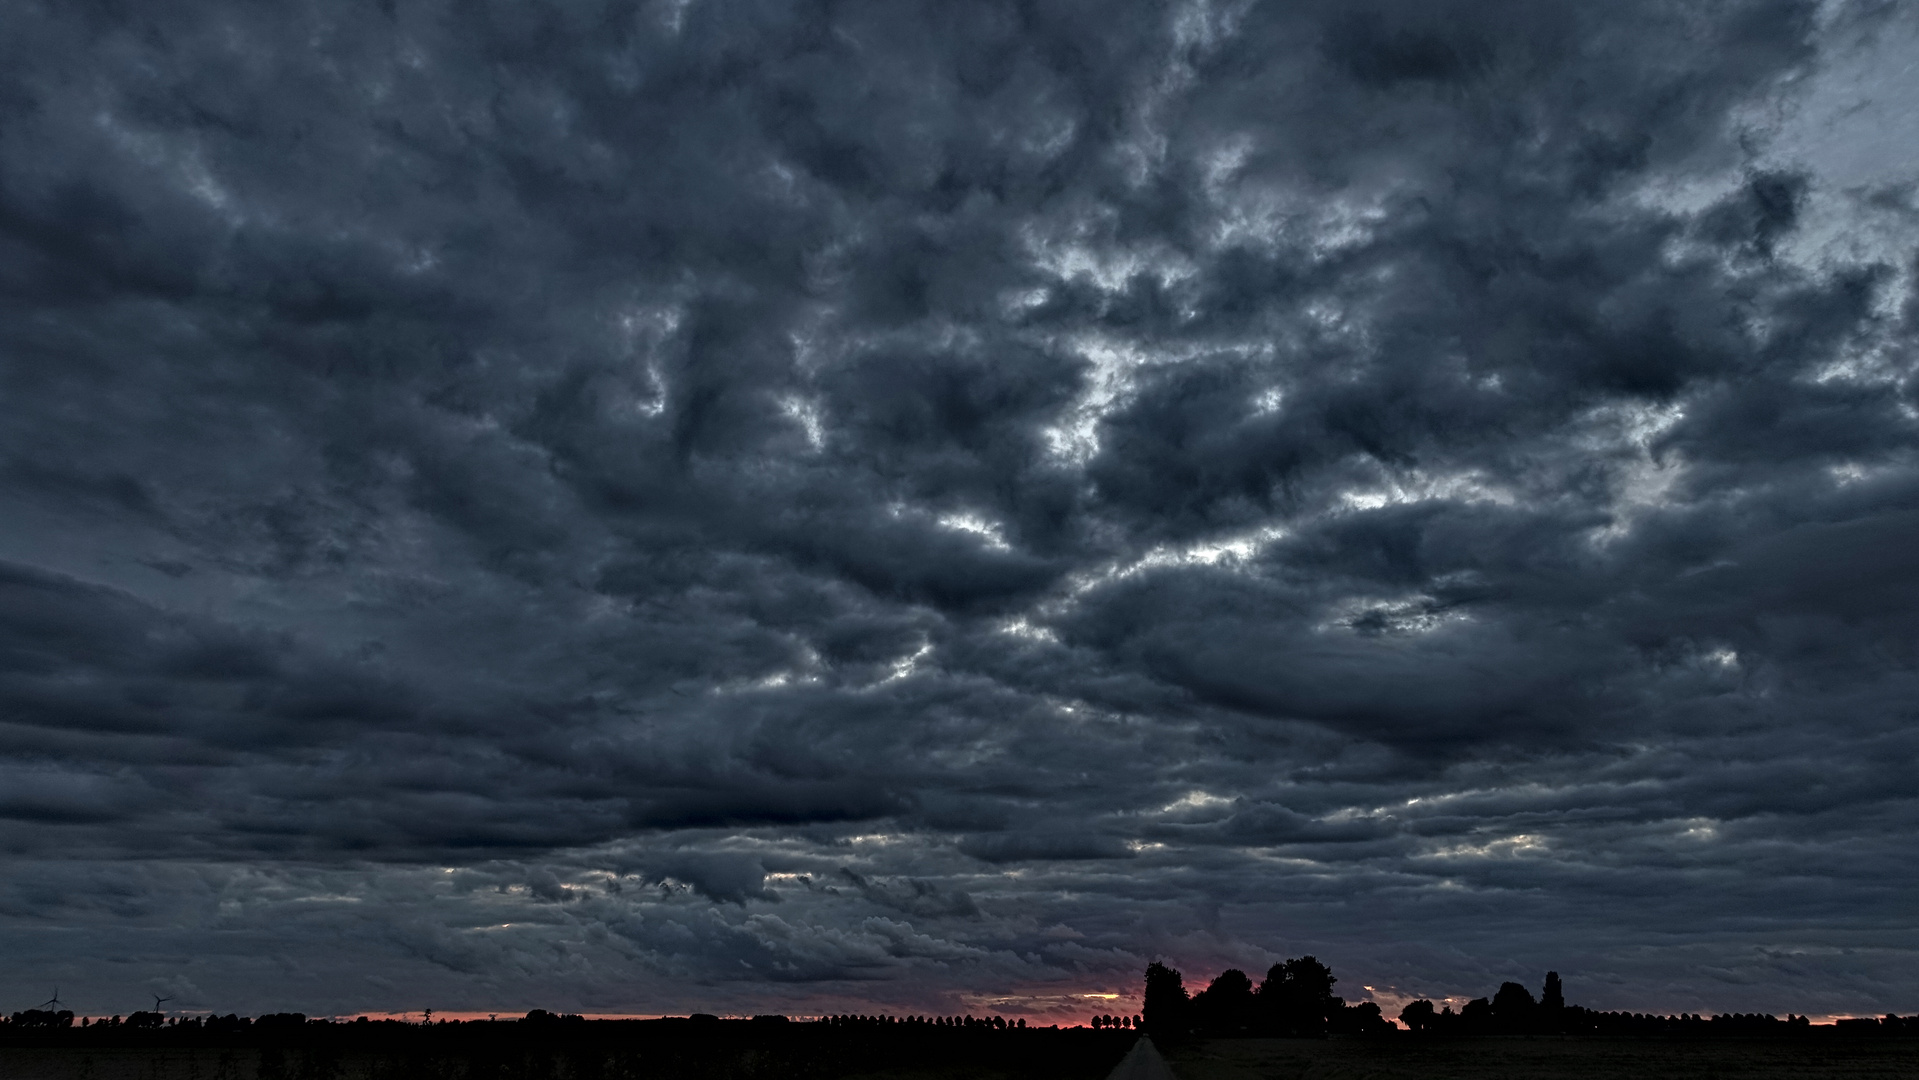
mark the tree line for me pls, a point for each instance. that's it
(1296, 1000)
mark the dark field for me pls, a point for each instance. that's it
(1820, 1056)
(805, 1052)
(612, 1050)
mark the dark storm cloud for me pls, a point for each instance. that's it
(756, 506)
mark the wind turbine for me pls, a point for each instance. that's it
(54, 1000)
(157, 999)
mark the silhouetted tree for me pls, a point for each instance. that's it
(1297, 998)
(1225, 1007)
(1418, 1016)
(1477, 1017)
(1552, 1014)
(1513, 1009)
(1165, 1007)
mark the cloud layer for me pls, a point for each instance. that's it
(816, 506)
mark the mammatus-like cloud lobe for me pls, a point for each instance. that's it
(798, 507)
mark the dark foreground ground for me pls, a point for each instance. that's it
(607, 1050)
(1822, 1057)
(741, 1050)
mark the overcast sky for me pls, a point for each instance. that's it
(760, 506)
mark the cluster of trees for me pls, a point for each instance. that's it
(43, 1018)
(1513, 1011)
(1510, 1011)
(1295, 999)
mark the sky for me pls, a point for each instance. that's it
(809, 506)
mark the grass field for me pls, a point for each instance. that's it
(1588, 1058)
